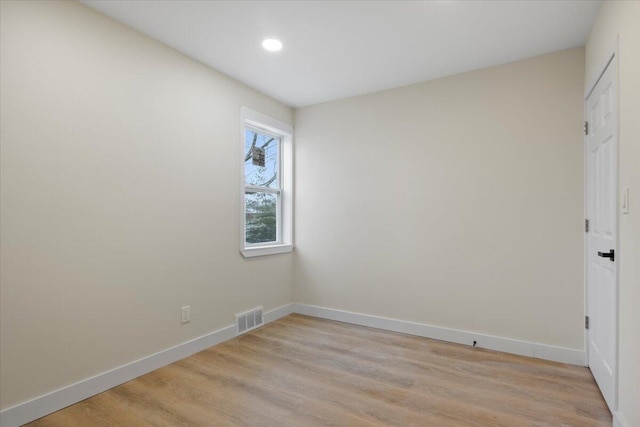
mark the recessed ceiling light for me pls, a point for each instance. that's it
(272, 45)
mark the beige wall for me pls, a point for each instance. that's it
(120, 201)
(623, 18)
(456, 202)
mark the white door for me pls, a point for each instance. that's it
(602, 239)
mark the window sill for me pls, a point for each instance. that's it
(265, 250)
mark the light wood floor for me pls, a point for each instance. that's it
(302, 371)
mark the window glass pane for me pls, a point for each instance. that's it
(260, 217)
(261, 159)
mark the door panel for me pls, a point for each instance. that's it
(602, 294)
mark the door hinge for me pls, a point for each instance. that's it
(586, 128)
(586, 322)
(586, 225)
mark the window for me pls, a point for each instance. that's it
(266, 185)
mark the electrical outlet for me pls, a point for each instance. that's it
(186, 314)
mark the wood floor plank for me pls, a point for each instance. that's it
(304, 371)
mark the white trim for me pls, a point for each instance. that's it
(507, 345)
(40, 406)
(263, 189)
(250, 251)
(615, 61)
(284, 131)
(618, 420)
(277, 313)
(262, 121)
(585, 237)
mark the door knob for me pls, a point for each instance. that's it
(610, 255)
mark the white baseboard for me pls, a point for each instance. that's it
(33, 409)
(507, 345)
(277, 313)
(40, 406)
(618, 420)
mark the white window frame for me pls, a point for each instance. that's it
(284, 219)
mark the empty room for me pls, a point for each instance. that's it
(312, 213)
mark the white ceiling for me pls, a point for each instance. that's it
(336, 49)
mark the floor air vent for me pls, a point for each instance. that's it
(249, 320)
